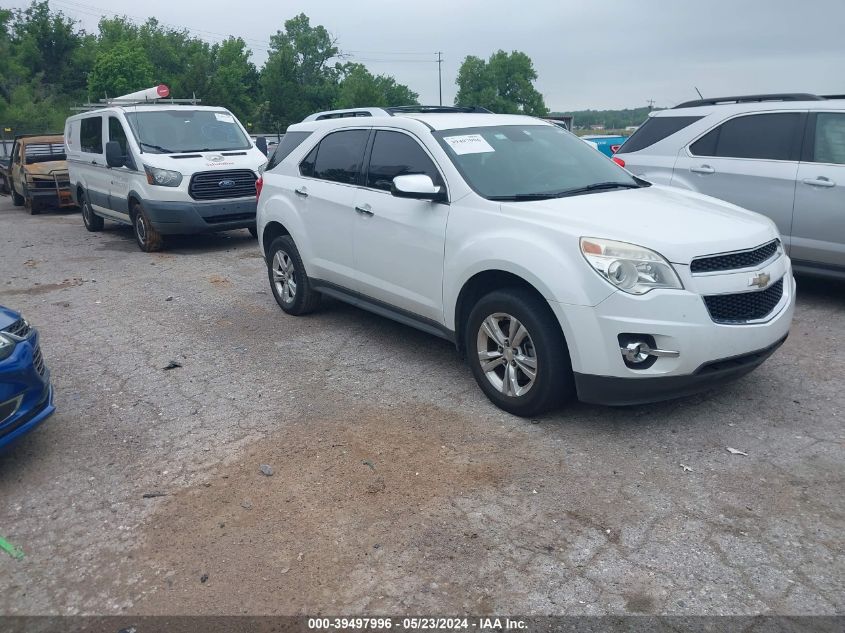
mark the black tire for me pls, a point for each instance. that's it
(92, 221)
(17, 199)
(4, 184)
(303, 298)
(149, 240)
(253, 230)
(553, 382)
(32, 206)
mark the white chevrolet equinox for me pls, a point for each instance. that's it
(555, 272)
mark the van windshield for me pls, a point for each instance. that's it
(182, 130)
(530, 162)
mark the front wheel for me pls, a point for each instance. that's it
(517, 352)
(253, 230)
(149, 240)
(92, 221)
(290, 283)
(17, 199)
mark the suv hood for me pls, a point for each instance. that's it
(7, 317)
(678, 224)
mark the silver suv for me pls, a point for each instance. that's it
(780, 155)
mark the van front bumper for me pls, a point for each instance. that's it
(171, 218)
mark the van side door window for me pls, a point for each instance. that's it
(118, 134)
(91, 135)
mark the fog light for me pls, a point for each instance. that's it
(639, 351)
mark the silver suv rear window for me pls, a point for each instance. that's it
(655, 129)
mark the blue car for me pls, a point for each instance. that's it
(607, 144)
(26, 396)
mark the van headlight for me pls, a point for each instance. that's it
(163, 177)
(631, 268)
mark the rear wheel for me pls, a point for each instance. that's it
(288, 279)
(148, 239)
(517, 352)
(253, 230)
(93, 222)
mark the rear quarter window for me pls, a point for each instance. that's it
(656, 129)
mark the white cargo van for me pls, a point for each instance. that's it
(164, 168)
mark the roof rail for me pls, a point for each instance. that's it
(391, 111)
(832, 96)
(789, 96)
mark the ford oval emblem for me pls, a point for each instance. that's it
(226, 183)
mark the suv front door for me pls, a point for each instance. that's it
(325, 195)
(749, 160)
(818, 230)
(399, 241)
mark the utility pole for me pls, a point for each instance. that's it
(650, 104)
(440, 75)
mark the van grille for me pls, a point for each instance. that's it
(736, 260)
(217, 185)
(744, 306)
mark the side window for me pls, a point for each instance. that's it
(306, 167)
(289, 142)
(339, 156)
(91, 135)
(829, 146)
(117, 133)
(396, 154)
(760, 136)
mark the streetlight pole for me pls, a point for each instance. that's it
(440, 75)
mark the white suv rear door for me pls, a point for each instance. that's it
(326, 201)
(750, 160)
(399, 242)
(818, 230)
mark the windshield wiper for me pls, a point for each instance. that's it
(164, 150)
(524, 197)
(598, 186)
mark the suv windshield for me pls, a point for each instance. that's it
(525, 162)
(182, 130)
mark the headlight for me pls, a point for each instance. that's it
(162, 177)
(7, 345)
(629, 267)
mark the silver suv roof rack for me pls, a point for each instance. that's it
(790, 96)
(393, 111)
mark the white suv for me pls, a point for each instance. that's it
(782, 155)
(554, 271)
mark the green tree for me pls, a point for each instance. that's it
(298, 77)
(503, 84)
(121, 69)
(359, 88)
(233, 83)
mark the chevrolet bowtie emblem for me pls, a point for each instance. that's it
(761, 280)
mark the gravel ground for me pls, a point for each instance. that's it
(396, 487)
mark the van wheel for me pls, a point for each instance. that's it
(517, 352)
(149, 240)
(288, 279)
(253, 230)
(17, 199)
(93, 222)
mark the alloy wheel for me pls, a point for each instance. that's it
(506, 354)
(284, 276)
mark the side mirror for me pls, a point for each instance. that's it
(417, 186)
(114, 154)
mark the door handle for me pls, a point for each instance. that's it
(364, 209)
(302, 192)
(821, 181)
(704, 169)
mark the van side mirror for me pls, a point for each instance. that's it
(417, 186)
(114, 154)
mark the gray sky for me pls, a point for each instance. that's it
(608, 54)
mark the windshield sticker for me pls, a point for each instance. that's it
(222, 116)
(469, 144)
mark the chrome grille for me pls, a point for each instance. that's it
(736, 260)
(19, 328)
(743, 307)
(217, 185)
